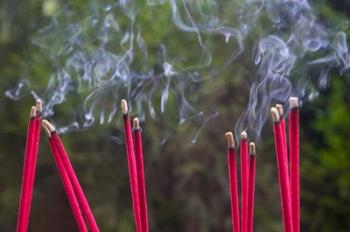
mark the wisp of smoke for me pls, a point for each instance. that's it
(116, 50)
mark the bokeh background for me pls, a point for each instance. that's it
(187, 183)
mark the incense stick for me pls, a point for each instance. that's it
(68, 187)
(244, 181)
(24, 206)
(141, 174)
(82, 200)
(132, 167)
(282, 171)
(252, 170)
(233, 183)
(294, 161)
(280, 109)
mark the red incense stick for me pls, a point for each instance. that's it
(141, 174)
(232, 173)
(73, 201)
(279, 107)
(252, 168)
(282, 170)
(130, 153)
(244, 181)
(83, 203)
(294, 161)
(24, 206)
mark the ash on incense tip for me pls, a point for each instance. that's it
(293, 102)
(252, 149)
(136, 124)
(279, 107)
(48, 127)
(39, 105)
(244, 135)
(33, 112)
(124, 106)
(230, 139)
(275, 115)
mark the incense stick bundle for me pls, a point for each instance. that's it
(132, 167)
(64, 176)
(294, 161)
(24, 206)
(141, 174)
(244, 181)
(73, 180)
(232, 173)
(282, 170)
(251, 194)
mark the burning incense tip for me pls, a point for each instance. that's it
(244, 135)
(39, 105)
(252, 149)
(124, 106)
(49, 128)
(33, 111)
(279, 107)
(230, 139)
(275, 114)
(137, 124)
(293, 102)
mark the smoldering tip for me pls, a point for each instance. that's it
(293, 102)
(48, 127)
(124, 106)
(39, 105)
(280, 109)
(244, 135)
(32, 112)
(275, 115)
(252, 149)
(136, 124)
(230, 139)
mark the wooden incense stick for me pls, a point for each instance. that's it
(130, 153)
(294, 161)
(82, 200)
(244, 181)
(233, 182)
(141, 174)
(280, 109)
(282, 171)
(251, 194)
(24, 207)
(68, 187)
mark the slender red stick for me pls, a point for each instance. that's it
(244, 181)
(84, 204)
(68, 187)
(130, 153)
(294, 162)
(232, 173)
(283, 126)
(24, 207)
(282, 170)
(141, 174)
(252, 168)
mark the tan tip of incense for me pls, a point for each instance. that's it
(33, 111)
(252, 149)
(293, 102)
(244, 135)
(49, 128)
(275, 114)
(137, 124)
(39, 105)
(279, 107)
(124, 106)
(230, 139)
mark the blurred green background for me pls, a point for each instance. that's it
(187, 184)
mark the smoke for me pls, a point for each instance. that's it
(126, 49)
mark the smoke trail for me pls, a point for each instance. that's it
(110, 51)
